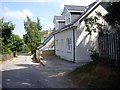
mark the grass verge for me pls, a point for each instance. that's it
(96, 75)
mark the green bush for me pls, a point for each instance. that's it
(94, 55)
(6, 50)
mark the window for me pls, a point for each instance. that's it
(69, 44)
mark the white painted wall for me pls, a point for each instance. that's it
(67, 18)
(61, 47)
(83, 41)
(56, 25)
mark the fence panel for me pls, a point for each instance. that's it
(109, 48)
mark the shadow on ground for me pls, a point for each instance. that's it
(52, 75)
(21, 78)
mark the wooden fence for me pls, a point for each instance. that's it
(109, 48)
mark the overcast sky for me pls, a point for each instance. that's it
(17, 10)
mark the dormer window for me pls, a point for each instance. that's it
(72, 12)
(59, 22)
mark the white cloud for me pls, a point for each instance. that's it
(19, 14)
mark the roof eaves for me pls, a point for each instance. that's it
(89, 11)
(80, 18)
(64, 9)
(64, 28)
(75, 11)
(60, 20)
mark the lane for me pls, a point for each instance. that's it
(23, 73)
(20, 73)
(11, 65)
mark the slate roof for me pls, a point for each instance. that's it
(75, 8)
(72, 23)
(88, 10)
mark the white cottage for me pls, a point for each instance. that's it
(72, 42)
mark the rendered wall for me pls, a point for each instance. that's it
(61, 48)
(84, 41)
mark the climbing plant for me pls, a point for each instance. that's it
(93, 23)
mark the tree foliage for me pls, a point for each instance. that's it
(33, 33)
(10, 42)
(93, 23)
(16, 43)
(25, 49)
(90, 24)
(113, 17)
(6, 29)
(38, 24)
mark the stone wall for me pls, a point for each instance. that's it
(5, 57)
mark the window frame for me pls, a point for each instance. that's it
(69, 44)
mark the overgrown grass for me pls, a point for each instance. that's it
(86, 68)
(96, 75)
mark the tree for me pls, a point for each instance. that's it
(15, 43)
(113, 17)
(25, 49)
(1, 24)
(33, 34)
(38, 24)
(10, 42)
(6, 29)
